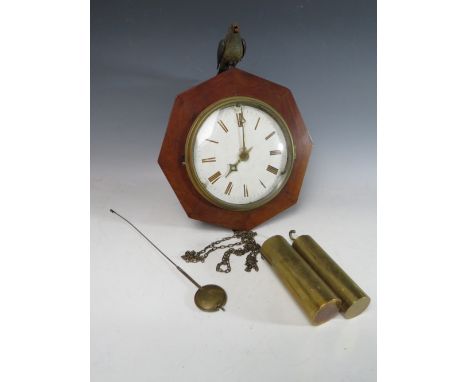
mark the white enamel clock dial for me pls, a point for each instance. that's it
(240, 153)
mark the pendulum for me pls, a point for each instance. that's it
(209, 298)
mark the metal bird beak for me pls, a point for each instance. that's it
(235, 28)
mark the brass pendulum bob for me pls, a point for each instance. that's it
(209, 298)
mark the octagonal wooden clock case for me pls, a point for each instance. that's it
(236, 150)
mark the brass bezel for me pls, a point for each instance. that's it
(225, 102)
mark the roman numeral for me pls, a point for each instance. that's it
(208, 160)
(246, 191)
(272, 169)
(256, 125)
(270, 135)
(213, 178)
(275, 152)
(228, 189)
(262, 183)
(223, 126)
(240, 119)
(210, 140)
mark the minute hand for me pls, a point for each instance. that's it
(243, 136)
(241, 121)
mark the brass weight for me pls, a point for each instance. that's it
(353, 299)
(316, 299)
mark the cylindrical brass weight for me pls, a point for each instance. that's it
(353, 299)
(316, 299)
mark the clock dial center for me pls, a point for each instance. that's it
(244, 155)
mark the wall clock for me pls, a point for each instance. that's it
(236, 150)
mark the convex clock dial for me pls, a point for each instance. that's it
(239, 153)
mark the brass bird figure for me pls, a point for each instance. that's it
(231, 49)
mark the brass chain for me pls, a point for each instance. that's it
(249, 245)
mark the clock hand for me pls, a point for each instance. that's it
(232, 167)
(243, 157)
(242, 121)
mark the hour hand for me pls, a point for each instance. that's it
(232, 168)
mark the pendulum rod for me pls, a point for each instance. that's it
(208, 298)
(161, 252)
